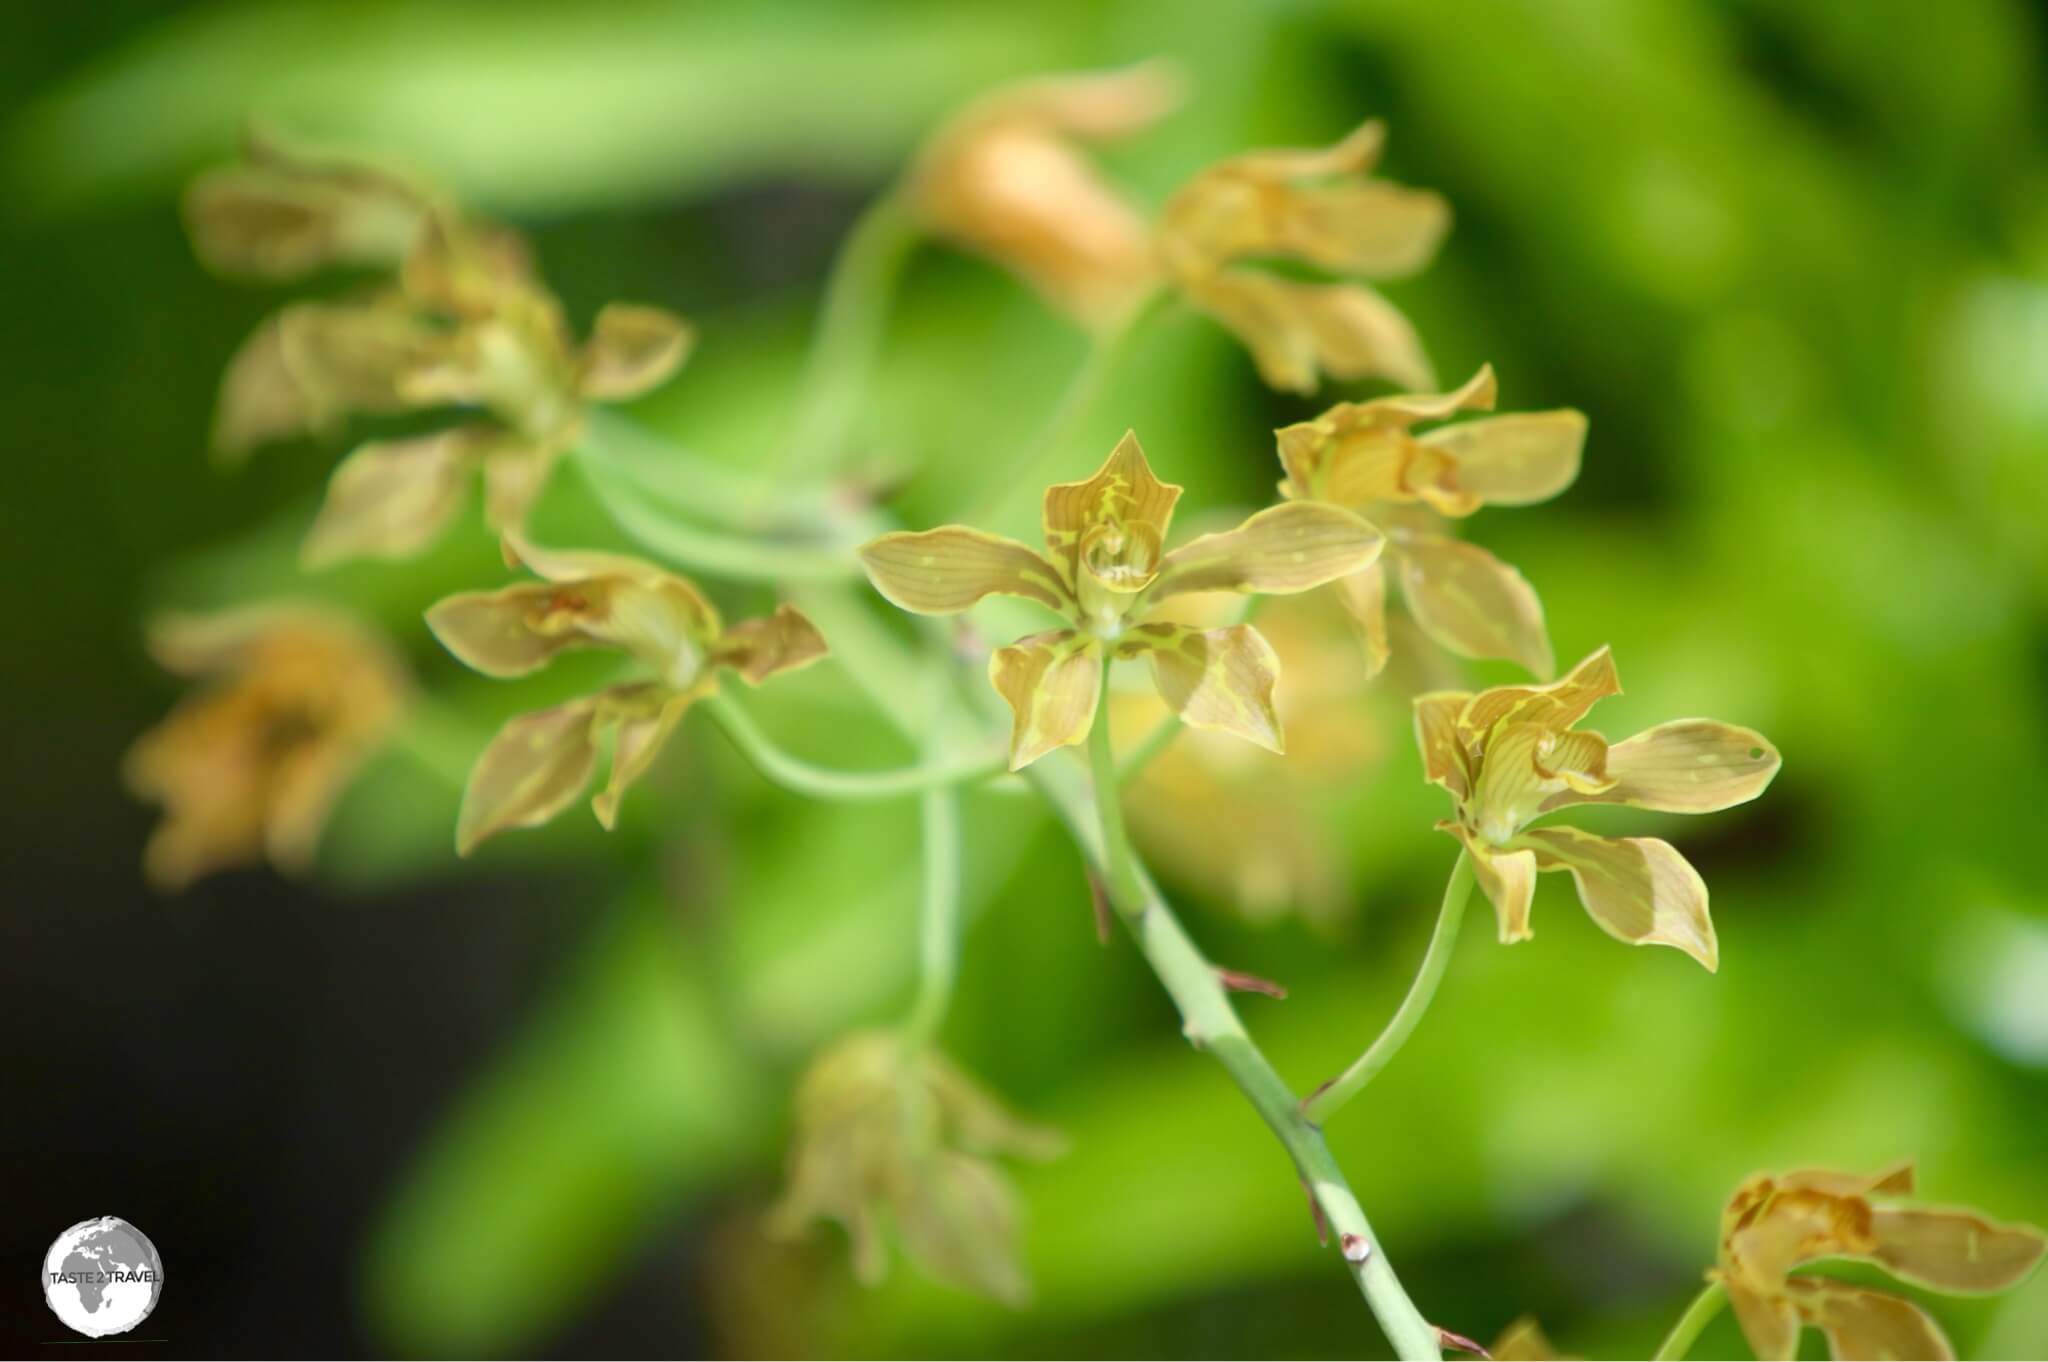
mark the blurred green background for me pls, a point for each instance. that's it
(1790, 258)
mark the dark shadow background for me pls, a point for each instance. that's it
(1791, 258)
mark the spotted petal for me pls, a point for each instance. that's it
(1364, 597)
(1859, 1323)
(533, 769)
(1471, 602)
(1507, 877)
(1557, 705)
(1639, 889)
(1051, 682)
(1297, 332)
(1292, 547)
(1219, 679)
(1123, 492)
(759, 648)
(393, 498)
(646, 716)
(1685, 766)
(518, 629)
(1954, 1250)
(943, 571)
(632, 348)
(1513, 460)
(1444, 760)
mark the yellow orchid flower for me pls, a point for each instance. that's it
(1315, 208)
(1365, 456)
(1776, 1223)
(459, 322)
(888, 1134)
(1512, 754)
(1003, 179)
(1105, 571)
(540, 762)
(250, 767)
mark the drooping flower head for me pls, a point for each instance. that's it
(541, 762)
(457, 320)
(1104, 570)
(248, 769)
(1312, 208)
(1003, 178)
(1512, 754)
(1367, 457)
(894, 1137)
(1776, 1223)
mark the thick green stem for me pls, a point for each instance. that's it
(851, 325)
(1352, 1081)
(938, 942)
(800, 776)
(1211, 1024)
(1697, 1317)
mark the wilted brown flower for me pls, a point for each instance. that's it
(1316, 209)
(893, 1135)
(1105, 570)
(250, 767)
(540, 762)
(1512, 754)
(1002, 178)
(459, 322)
(1774, 1224)
(1366, 456)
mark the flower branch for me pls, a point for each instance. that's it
(1326, 1100)
(801, 777)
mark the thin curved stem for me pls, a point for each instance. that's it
(800, 776)
(737, 557)
(851, 324)
(1211, 1023)
(665, 470)
(1025, 474)
(1347, 1085)
(938, 942)
(1697, 1317)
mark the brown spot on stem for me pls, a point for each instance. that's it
(1460, 1343)
(1240, 982)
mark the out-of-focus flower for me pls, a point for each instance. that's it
(1221, 812)
(1312, 208)
(459, 322)
(541, 762)
(1775, 1223)
(1003, 178)
(893, 1135)
(1365, 456)
(250, 767)
(1105, 571)
(1512, 754)
(1525, 1341)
